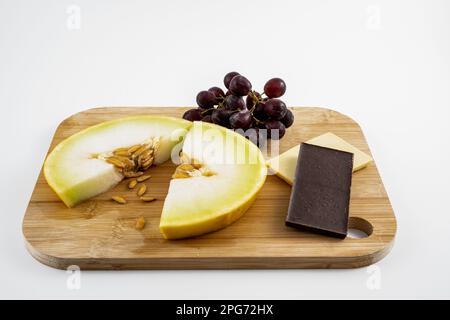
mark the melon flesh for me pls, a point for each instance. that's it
(76, 175)
(202, 204)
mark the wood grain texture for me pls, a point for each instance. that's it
(100, 234)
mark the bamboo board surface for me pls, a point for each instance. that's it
(100, 234)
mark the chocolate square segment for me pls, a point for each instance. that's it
(320, 195)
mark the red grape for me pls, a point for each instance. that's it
(240, 86)
(233, 102)
(275, 129)
(288, 119)
(275, 109)
(221, 117)
(217, 92)
(241, 120)
(206, 99)
(207, 118)
(259, 112)
(193, 114)
(275, 88)
(228, 77)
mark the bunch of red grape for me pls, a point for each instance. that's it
(257, 111)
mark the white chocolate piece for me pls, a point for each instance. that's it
(284, 164)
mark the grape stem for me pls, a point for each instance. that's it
(207, 110)
(255, 100)
(256, 120)
(220, 105)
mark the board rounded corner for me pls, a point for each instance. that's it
(382, 253)
(373, 257)
(44, 258)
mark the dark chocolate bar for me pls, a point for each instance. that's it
(321, 192)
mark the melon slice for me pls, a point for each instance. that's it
(82, 166)
(217, 184)
(217, 181)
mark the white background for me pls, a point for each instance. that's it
(384, 63)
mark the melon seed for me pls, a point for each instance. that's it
(148, 199)
(140, 223)
(143, 178)
(119, 199)
(132, 183)
(142, 190)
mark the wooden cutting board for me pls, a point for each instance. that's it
(100, 234)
